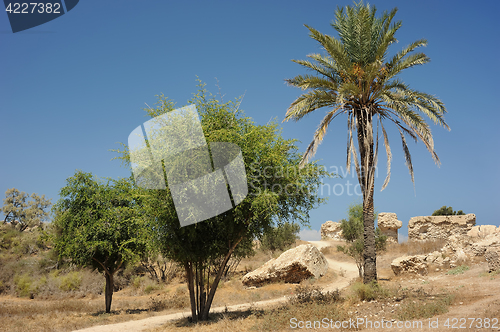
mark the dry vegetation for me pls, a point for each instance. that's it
(72, 299)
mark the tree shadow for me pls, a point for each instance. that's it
(216, 317)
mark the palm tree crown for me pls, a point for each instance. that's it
(357, 79)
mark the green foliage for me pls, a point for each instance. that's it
(9, 237)
(352, 232)
(22, 213)
(98, 224)
(458, 270)
(280, 237)
(447, 211)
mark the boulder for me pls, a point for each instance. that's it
(292, 266)
(389, 224)
(409, 264)
(331, 230)
(492, 256)
(439, 227)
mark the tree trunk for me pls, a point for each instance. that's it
(215, 283)
(366, 177)
(108, 293)
(192, 298)
(369, 252)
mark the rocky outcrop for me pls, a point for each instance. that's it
(483, 231)
(389, 224)
(439, 227)
(330, 230)
(292, 266)
(492, 256)
(419, 264)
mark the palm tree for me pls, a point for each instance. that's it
(356, 78)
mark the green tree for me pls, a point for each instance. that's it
(447, 211)
(22, 213)
(352, 232)
(277, 193)
(97, 224)
(355, 77)
(280, 237)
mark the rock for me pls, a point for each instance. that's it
(292, 266)
(331, 230)
(389, 224)
(483, 231)
(492, 256)
(409, 264)
(479, 248)
(439, 227)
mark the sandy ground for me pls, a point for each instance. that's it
(346, 271)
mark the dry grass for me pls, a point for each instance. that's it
(415, 247)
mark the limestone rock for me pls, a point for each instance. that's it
(409, 264)
(483, 231)
(331, 230)
(480, 247)
(389, 224)
(292, 266)
(492, 256)
(439, 227)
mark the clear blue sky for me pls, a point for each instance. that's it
(73, 87)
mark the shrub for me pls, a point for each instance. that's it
(24, 285)
(369, 292)
(71, 281)
(281, 237)
(447, 211)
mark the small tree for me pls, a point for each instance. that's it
(97, 225)
(280, 237)
(447, 211)
(21, 213)
(352, 232)
(277, 193)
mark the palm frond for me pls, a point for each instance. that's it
(309, 102)
(319, 134)
(389, 156)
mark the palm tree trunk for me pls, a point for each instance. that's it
(369, 252)
(366, 176)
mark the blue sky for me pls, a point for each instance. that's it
(72, 88)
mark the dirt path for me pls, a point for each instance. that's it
(346, 271)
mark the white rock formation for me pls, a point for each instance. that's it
(439, 227)
(331, 230)
(483, 231)
(389, 224)
(292, 266)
